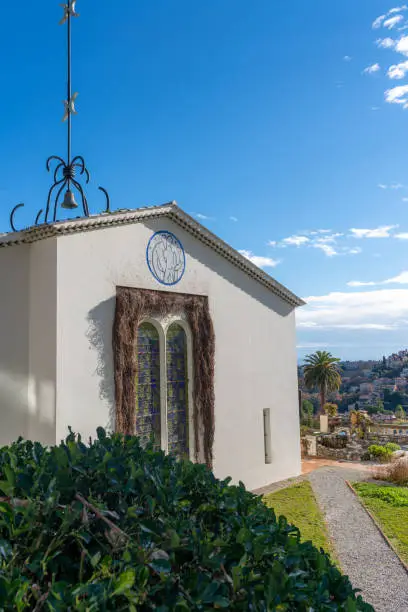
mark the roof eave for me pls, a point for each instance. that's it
(173, 212)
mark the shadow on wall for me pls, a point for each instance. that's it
(221, 266)
(99, 334)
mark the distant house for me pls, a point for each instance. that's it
(383, 418)
(389, 429)
(401, 382)
(366, 388)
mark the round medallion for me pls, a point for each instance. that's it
(166, 258)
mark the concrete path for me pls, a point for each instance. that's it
(310, 464)
(363, 553)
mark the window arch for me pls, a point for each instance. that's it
(163, 396)
(148, 399)
(177, 391)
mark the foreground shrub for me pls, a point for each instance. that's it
(381, 453)
(110, 526)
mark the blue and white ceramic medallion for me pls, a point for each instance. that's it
(166, 258)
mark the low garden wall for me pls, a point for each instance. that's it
(334, 447)
(384, 438)
(352, 452)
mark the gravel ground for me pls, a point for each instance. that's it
(363, 553)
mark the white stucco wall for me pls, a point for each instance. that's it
(14, 342)
(255, 346)
(43, 341)
(28, 312)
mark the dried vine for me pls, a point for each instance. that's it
(132, 306)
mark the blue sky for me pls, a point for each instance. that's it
(270, 121)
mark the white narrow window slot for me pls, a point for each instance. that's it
(267, 434)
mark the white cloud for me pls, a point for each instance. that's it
(375, 108)
(347, 58)
(202, 217)
(385, 43)
(398, 71)
(377, 23)
(313, 345)
(390, 19)
(361, 284)
(372, 69)
(233, 219)
(402, 236)
(379, 232)
(296, 240)
(400, 279)
(381, 309)
(391, 186)
(328, 238)
(401, 45)
(405, 199)
(391, 22)
(397, 95)
(398, 9)
(258, 260)
(326, 248)
(325, 240)
(355, 250)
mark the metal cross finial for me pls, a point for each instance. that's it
(69, 11)
(65, 171)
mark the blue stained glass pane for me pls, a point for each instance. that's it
(148, 421)
(177, 395)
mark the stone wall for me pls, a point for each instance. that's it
(343, 448)
(352, 452)
(308, 446)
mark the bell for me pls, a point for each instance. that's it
(69, 200)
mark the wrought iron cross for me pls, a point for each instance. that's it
(65, 171)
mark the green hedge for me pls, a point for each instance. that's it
(392, 447)
(110, 526)
(382, 453)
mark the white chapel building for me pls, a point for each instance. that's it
(146, 323)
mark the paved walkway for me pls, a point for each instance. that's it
(313, 463)
(363, 553)
(310, 465)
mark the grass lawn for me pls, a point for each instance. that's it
(389, 505)
(299, 505)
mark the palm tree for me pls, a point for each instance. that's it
(321, 371)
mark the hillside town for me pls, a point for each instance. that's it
(378, 387)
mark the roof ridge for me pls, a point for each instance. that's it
(128, 216)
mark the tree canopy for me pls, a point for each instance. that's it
(322, 371)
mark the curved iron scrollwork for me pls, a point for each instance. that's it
(64, 179)
(13, 212)
(64, 176)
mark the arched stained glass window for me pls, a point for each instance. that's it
(148, 421)
(177, 392)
